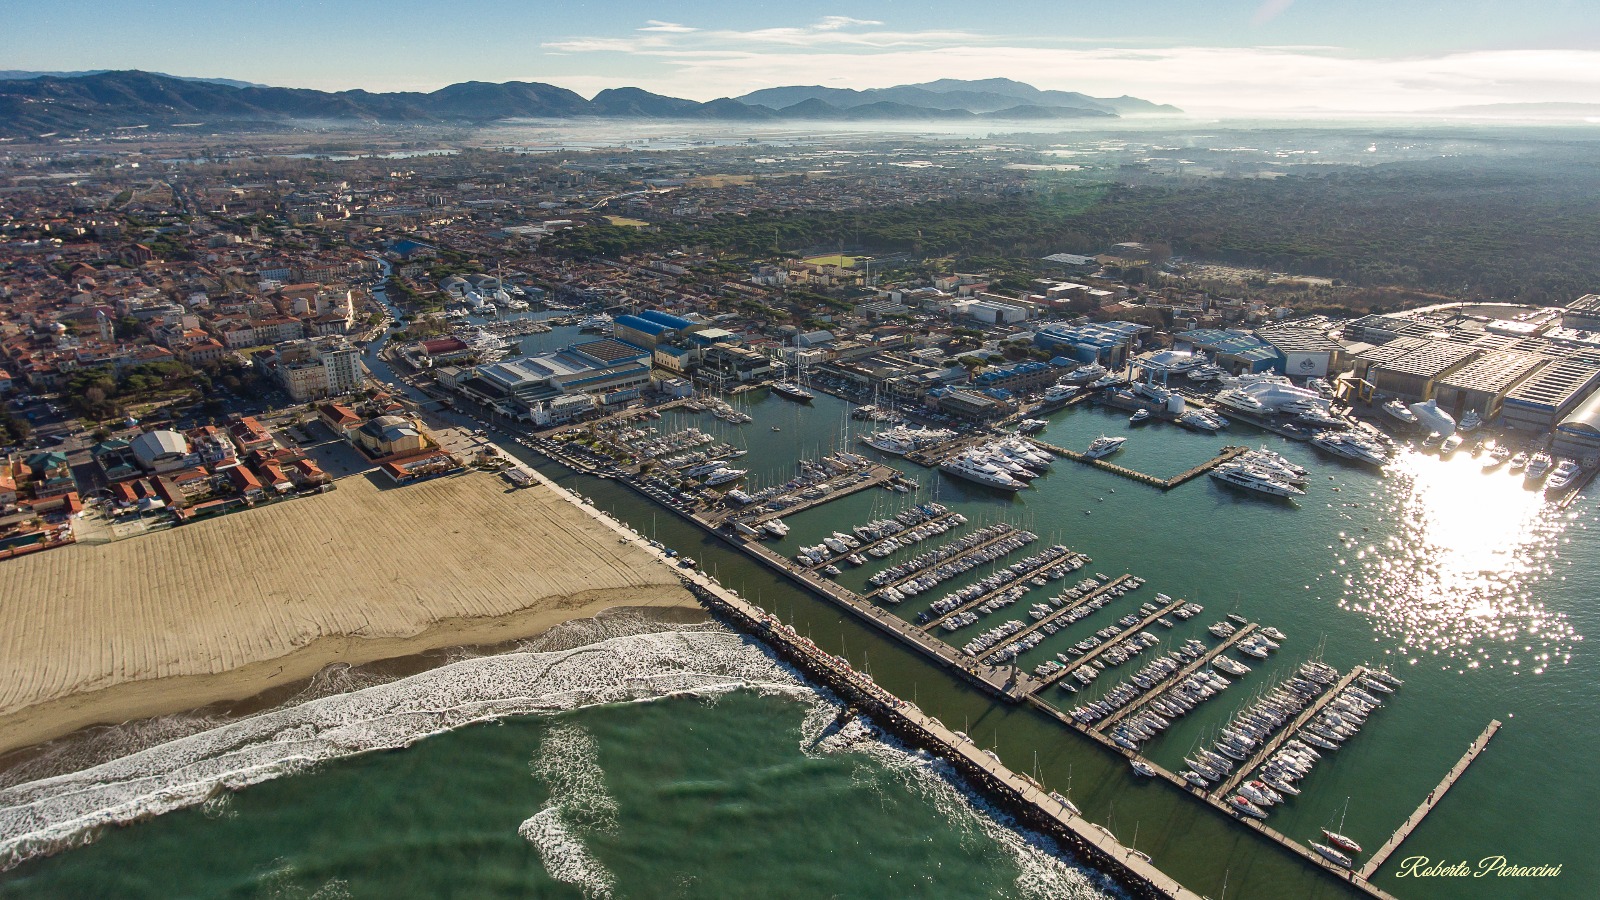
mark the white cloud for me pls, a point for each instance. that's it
(846, 52)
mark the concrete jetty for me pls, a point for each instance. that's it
(1383, 853)
(1166, 484)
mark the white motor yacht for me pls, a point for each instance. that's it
(1566, 472)
(1103, 446)
(977, 470)
(1398, 409)
(1538, 465)
(1242, 476)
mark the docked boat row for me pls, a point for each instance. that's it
(1365, 448)
(1251, 478)
(885, 535)
(1256, 724)
(1008, 577)
(1151, 676)
(917, 584)
(944, 553)
(1338, 721)
(1008, 464)
(903, 439)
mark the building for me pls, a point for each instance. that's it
(1071, 262)
(1236, 351)
(1101, 342)
(965, 404)
(161, 451)
(1022, 376)
(615, 370)
(1543, 400)
(1413, 373)
(390, 436)
(1482, 385)
(313, 368)
(1578, 435)
(1303, 352)
(1582, 314)
(729, 363)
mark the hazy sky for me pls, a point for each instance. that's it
(1207, 56)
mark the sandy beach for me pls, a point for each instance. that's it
(228, 608)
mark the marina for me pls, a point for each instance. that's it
(1089, 657)
(1008, 682)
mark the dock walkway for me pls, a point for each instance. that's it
(1434, 796)
(1284, 734)
(1165, 484)
(1067, 608)
(1177, 677)
(926, 569)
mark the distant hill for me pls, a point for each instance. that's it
(990, 95)
(15, 74)
(34, 103)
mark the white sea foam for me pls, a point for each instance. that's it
(579, 804)
(47, 814)
(52, 813)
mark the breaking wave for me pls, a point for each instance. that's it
(48, 814)
(177, 762)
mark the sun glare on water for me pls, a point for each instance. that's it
(1460, 576)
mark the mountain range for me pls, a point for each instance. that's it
(35, 104)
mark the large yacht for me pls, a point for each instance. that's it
(977, 470)
(1565, 473)
(792, 391)
(1239, 400)
(900, 440)
(1351, 446)
(1398, 409)
(1538, 465)
(1203, 420)
(1059, 394)
(1084, 374)
(1243, 476)
(1104, 446)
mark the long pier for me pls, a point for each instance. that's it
(1067, 608)
(1071, 556)
(1177, 677)
(1166, 484)
(1107, 644)
(864, 548)
(1284, 734)
(1029, 801)
(1383, 853)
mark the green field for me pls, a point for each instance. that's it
(625, 222)
(846, 262)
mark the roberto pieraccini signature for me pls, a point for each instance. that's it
(1488, 867)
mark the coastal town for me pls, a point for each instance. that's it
(289, 350)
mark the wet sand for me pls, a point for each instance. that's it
(235, 606)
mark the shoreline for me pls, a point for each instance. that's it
(86, 654)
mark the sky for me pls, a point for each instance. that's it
(1209, 57)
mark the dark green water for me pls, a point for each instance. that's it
(1460, 581)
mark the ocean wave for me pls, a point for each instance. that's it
(44, 815)
(579, 804)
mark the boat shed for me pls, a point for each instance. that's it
(1414, 373)
(1482, 385)
(1304, 352)
(1578, 435)
(1542, 401)
(1235, 351)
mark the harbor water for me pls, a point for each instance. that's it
(1461, 581)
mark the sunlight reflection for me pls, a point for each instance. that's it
(1458, 578)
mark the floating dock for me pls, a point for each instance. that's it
(1166, 484)
(864, 548)
(1383, 853)
(921, 572)
(1077, 560)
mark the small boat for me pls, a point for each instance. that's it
(1332, 855)
(1066, 804)
(1139, 417)
(1340, 841)
(776, 428)
(1244, 806)
(1142, 767)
